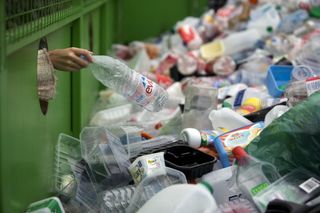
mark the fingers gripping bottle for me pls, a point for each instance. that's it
(131, 84)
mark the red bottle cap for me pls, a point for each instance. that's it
(239, 152)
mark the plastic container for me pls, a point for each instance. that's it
(298, 186)
(302, 72)
(298, 91)
(147, 166)
(223, 184)
(152, 185)
(67, 149)
(192, 162)
(118, 199)
(134, 86)
(182, 198)
(225, 119)
(137, 149)
(200, 100)
(126, 134)
(293, 21)
(49, 205)
(309, 55)
(112, 116)
(253, 176)
(106, 156)
(278, 77)
(265, 19)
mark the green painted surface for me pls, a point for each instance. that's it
(28, 139)
(89, 85)
(140, 19)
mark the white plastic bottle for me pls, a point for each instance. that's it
(131, 84)
(232, 44)
(182, 198)
(226, 119)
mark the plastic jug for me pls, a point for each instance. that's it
(226, 119)
(182, 198)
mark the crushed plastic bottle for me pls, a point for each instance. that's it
(131, 84)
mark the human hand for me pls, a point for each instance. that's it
(69, 59)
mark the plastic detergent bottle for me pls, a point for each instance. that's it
(182, 198)
(131, 84)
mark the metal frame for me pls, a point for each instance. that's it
(47, 24)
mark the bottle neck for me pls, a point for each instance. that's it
(239, 153)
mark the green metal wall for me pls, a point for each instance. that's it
(141, 19)
(27, 138)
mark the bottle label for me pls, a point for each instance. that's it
(207, 137)
(313, 85)
(310, 185)
(146, 90)
(255, 190)
(239, 98)
(240, 137)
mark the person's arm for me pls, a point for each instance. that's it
(69, 59)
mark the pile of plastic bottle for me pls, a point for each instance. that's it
(178, 128)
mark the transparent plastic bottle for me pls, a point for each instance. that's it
(131, 84)
(253, 175)
(297, 91)
(293, 20)
(309, 55)
(187, 64)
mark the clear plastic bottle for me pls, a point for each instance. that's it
(131, 84)
(293, 20)
(297, 91)
(253, 175)
(187, 64)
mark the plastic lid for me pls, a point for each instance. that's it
(239, 152)
(269, 29)
(192, 136)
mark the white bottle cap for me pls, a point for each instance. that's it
(192, 137)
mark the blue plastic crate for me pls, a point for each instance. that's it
(278, 76)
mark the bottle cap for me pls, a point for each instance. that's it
(192, 137)
(239, 152)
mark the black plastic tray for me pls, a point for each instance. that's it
(192, 162)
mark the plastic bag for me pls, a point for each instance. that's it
(292, 140)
